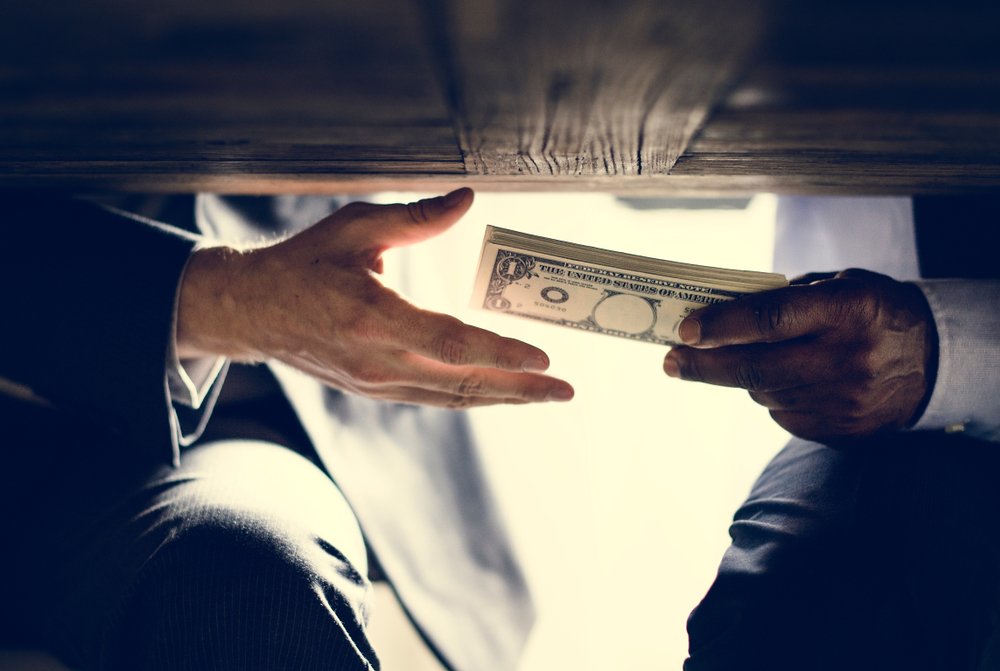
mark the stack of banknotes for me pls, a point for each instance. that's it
(600, 290)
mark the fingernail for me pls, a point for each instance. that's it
(690, 331)
(535, 364)
(561, 394)
(670, 366)
(454, 198)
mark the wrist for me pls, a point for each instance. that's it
(927, 340)
(210, 313)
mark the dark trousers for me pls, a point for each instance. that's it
(245, 557)
(884, 555)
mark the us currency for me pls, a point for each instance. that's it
(600, 290)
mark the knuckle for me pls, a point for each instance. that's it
(868, 365)
(458, 402)
(452, 350)
(471, 385)
(854, 272)
(502, 355)
(769, 316)
(690, 367)
(869, 307)
(501, 361)
(417, 212)
(852, 303)
(748, 375)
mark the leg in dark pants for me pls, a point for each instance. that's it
(246, 557)
(884, 555)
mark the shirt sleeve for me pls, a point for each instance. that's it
(966, 395)
(193, 384)
(189, 380)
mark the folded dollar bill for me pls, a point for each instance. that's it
(600, 290)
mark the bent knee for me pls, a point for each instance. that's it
(230, 587)
(262, 491)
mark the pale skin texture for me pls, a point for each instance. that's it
(314, 302)
(832, 357)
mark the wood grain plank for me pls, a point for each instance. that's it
(590, 88)
(121, 88)
(905, 101)
(638, 97)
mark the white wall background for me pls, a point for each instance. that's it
(619, 501)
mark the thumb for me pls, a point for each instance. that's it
(376, 228)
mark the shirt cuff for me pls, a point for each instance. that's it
(190, 380)
(967, 316)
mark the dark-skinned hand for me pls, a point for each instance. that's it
(839, 357)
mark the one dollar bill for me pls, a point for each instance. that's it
(599, 290)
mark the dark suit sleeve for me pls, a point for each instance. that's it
(87, 310)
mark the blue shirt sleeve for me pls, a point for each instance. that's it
(966, 394)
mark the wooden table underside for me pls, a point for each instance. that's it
(638, 96)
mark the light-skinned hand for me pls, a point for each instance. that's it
(314, 302)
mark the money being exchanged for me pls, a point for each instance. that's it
(600, 290)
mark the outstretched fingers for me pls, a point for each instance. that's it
(476, 382)
(449, 341)
(407, 347)
(407, 379)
